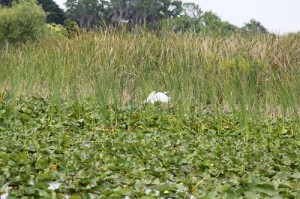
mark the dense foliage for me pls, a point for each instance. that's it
(150, 150)
(165, 15)
(91, 13)
(54, 13)
(21, 22)
(171, 15)
(254, 26)
(5, 2)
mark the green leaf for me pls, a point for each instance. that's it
(296, 175)
(251, 195)
(265, 188)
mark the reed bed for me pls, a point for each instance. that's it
(253, 76)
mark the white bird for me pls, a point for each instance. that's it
(158, 97)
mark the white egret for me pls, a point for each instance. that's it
(158, 97)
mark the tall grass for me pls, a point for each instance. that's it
(255, 75)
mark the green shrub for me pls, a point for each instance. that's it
(21, 22)
(55, 28)
(71, 27)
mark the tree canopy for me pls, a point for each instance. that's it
(54, 13)
(89, 13)
(171, 15)
(254, 26)
(167, 14)
(5, 2)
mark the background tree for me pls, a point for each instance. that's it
(228, 28)
(211, 21)
(87, 13)
(54, 13)
(155, 14)
(214, 25)
(138, 12)
(254, 26)
(190, 18)
(5, 2)
(121, 11)
(192, 10)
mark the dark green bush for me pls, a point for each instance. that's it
(22, 22)
(71, 27)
